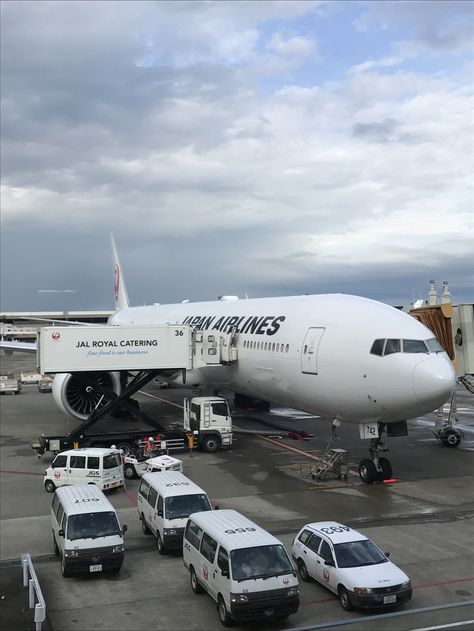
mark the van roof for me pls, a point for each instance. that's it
(172, 483)
(233, 530)
(335, 532)
(83, 498)
(90, 451)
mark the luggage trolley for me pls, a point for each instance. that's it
(334, 461)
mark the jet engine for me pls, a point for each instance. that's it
(79, 394)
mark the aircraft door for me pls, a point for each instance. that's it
(309, 350)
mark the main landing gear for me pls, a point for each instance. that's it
(376, 467)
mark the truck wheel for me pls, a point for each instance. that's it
(125, 447)
(160, 545)
(224, 617)
(50, 486)
(210, 444)
(195, 586)
(129, 472)
(145, 529)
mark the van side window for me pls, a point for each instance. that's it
(152, 497)
(59, 462)
(208, 547)
(59, 514)
(313, 543)
(223, 560)
(55, 504)
(93, 462)
(143, 489)
(78, 462)
(193, 534)
(63, 522)
(304, 536)
(159, 508)
(326, 552)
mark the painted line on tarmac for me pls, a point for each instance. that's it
(21, 472)
(446, 626)
(383, 616)
(132, 499)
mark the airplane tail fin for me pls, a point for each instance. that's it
(120, 290)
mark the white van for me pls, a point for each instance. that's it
(244, 568)
(86, 531)
(96, 465)
(165, 501)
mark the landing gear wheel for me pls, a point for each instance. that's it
(197, 589)
(224, 617)
(210, 444)
(344, 599)
(129, 472)
(452, 438)
(50, 486)
(145, 529)
(160, 545)
(386, 467)
(303, 571)
(367, 471)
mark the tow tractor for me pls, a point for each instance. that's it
(135, 466)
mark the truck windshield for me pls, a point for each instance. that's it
(259, 562)
(182, 506)
(92, 526)
(220, 409)
(358, 554)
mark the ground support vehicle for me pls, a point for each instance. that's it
(350, 565)
(9, 385)
(29, 376)
(136, 466)
(45, 384)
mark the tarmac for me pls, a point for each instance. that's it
(425, 519)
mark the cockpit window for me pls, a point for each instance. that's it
(392, 346)
(434, 346)
(377, 347)
(414, 346)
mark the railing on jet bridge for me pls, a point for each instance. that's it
(33, 589)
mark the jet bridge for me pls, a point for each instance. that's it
(75, 349)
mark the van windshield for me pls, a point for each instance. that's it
(111, 461)
(259, 562)
(184, 505)
(92, 525)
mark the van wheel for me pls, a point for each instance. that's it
(195, 586)
(224, 617)
(129, 472)
(146, 530)
(64, 570)
(55, 546)
(344, 598)
(50, 486)
(210, 444)
(160, 544)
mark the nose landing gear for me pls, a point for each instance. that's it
(376, 467)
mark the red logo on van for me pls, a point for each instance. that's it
(326, 574)
(55, 335)
(57, 474)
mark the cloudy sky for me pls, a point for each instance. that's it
(259, 148)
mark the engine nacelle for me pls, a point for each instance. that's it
(79, 394)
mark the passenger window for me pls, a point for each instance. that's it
(304, 536)
(78, 462)
(152, 497)
(55, 503)
(59, 462)
(314, 543)
(208, 547)
(414, 346)
(159, 508)
(326, 552)
(377, 347)
(111, 461)
(59, 515)
(392, 346)
(223, 560)
(193, 534)
(92, 462)
(63, 523)
(143, 489)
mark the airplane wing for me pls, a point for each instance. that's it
(15, 345)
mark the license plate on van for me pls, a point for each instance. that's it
(389, 600)
(114, 484)
(95, 568)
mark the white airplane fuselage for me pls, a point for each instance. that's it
(313, 353)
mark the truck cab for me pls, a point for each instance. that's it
(208, 419)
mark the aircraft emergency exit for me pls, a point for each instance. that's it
(344, 357)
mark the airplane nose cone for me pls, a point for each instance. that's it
(434, 381)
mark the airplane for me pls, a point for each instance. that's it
(352, 359)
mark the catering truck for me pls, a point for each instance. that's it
(207, 425)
